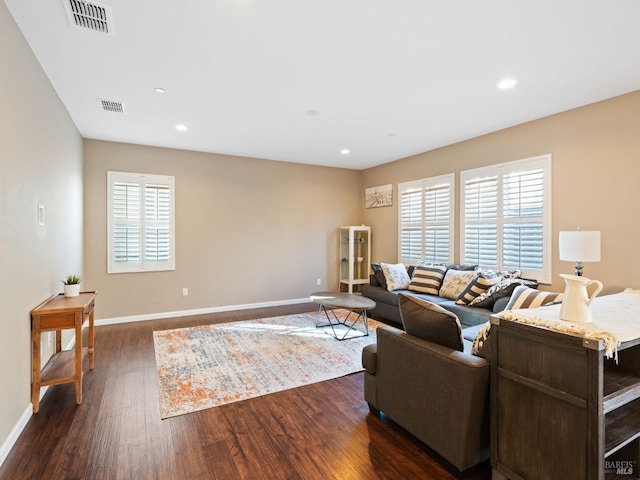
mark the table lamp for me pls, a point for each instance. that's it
(580, 246)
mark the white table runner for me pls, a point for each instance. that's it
(616, 319)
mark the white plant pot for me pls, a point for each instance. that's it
(72, 290)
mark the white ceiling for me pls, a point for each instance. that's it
(387, 78)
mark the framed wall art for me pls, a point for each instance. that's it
(380, 196)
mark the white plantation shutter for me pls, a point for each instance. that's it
(481, 220)
(126, 222)
(426, 220)
(411, 224)
(438, 212)
(157, 214)
(506, 215)
(141, 222)
(523, 213)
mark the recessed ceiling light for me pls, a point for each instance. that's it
(181, 127)
(312, 113)
(159, 90)
(507, 83)
(345, 151)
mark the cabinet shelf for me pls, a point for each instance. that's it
(61, 368)
(622, 426)
(356, 281)
(619, 389)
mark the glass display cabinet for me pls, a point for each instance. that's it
(355, 257)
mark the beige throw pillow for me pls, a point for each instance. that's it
(396, 276)
(454, 283)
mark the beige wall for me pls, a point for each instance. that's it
(41, 164)
(247, 231)
(595, 175)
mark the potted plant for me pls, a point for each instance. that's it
(72, 286)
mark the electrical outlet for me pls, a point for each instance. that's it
(185, 292)
(319, 281)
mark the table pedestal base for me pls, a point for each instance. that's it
(329, 312)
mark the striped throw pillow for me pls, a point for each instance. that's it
(427, 278)
(481, 338)
(502, 289)
(480, 284)
(525, 297)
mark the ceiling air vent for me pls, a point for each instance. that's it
(91, 15)
(111, 106)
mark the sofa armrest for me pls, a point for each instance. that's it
(438, 394)
(369, 357)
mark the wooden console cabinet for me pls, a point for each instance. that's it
(559, 407)
(65, 366)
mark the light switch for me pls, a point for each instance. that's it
(41, 215)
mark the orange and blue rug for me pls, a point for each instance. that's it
(212, 365)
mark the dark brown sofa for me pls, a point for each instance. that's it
(438, 394)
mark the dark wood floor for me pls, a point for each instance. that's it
(320, 431)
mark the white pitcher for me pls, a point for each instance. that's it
(576, 301)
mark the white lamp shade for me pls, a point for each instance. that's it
(580, 246)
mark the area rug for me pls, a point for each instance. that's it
(212, 365)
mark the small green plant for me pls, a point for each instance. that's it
(72, 280)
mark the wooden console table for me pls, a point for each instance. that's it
(559, 407)
(65, 366)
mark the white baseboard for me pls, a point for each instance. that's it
(199, 311)
(17, 429)
(15, 432)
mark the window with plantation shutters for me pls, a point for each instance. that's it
(426, 220)
(506, 217)
(140, 222)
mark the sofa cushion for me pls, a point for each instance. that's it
(468, 316)
(477, 286)
(525, 297)
(382, 295)
(470, 333)
(427, 278)
(428, 321)
(500, 304)
(396, 276)
(455, 281)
